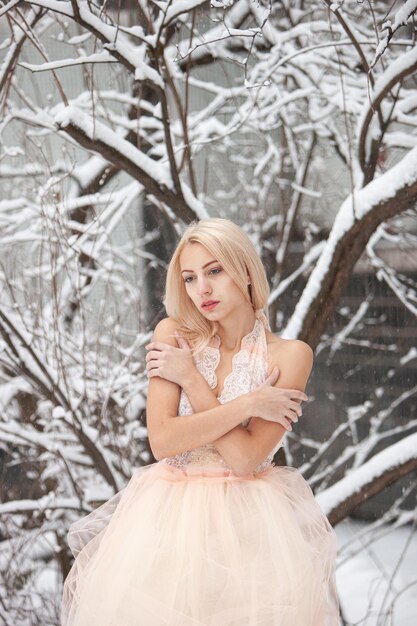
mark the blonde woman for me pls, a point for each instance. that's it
(213, 533)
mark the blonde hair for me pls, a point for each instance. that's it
(233, 249)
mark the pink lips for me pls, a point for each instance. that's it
(209, 305)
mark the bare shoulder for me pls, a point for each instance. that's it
(293, 357)
(291, 347)
(164, 330)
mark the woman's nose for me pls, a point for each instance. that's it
(204, 287)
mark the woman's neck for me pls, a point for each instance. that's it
(231, 331)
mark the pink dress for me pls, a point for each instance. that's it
(189, 543)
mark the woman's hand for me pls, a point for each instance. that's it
(173, 364)
(276, 404)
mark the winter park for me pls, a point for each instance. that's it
(121, 123)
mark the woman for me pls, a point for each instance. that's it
(213, 534)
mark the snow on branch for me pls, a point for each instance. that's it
(63, 8)
(179, 7)
(8, 6)
(358, 217)
(131, 56)
(21, 354)
(18, 39)
(63, 445)
(216, 42)
(309, 258)
(153, 175)
(400, 68)
(112, 37)
(41, 504)
(382, 470)
(25, 359)
(402, 17)
(99, 57)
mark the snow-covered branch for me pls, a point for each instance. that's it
(402, 17)
(96, 137)
(382, 470)
(356, 220)
(398, 70)
(100, 57)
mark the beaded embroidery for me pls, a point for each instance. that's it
(249, 370)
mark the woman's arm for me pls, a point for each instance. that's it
(170, 434)
(244, 449)
(233, 444)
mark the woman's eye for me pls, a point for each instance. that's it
(214, 270)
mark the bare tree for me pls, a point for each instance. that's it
(121, 123)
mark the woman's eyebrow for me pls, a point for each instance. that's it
(204, 266)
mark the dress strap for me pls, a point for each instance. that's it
(255, 342)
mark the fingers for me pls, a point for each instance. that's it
(153, 360)
(151, 366)
(160, 345)
(152, 355)
(293, 394)
(157, 345)
(296, 394)
(152, 371)
(294, 406)
(286, 422)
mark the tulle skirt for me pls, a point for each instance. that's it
(200, 546)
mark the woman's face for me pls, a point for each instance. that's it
(210, 288)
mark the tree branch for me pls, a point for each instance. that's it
(96, 137)
(359, 216)
(398, 70)
(381, 471)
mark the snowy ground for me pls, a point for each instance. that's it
(377, 574)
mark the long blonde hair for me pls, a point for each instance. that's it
(233, 249)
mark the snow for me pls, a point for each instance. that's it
(8, 6)
(357, 479)
(193, 202)
(404, 64)
(307, 261)
(397, 70)
(353, 209)
(181, 6)
(79, 39)
(26, 355)
(41, 504)
(97, 131)
(11, 388)
(98, 493)
(215, 40)
(402, 16)
(88, 171)
(99, 57)
(411, 354)
(64, 8)
(377, 575)
(117, 41)
(63, 443)
(400, 139)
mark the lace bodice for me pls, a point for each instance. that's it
(249, 370)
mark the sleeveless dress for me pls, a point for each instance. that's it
(189, 543)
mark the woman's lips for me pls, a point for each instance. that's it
(209, 306)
